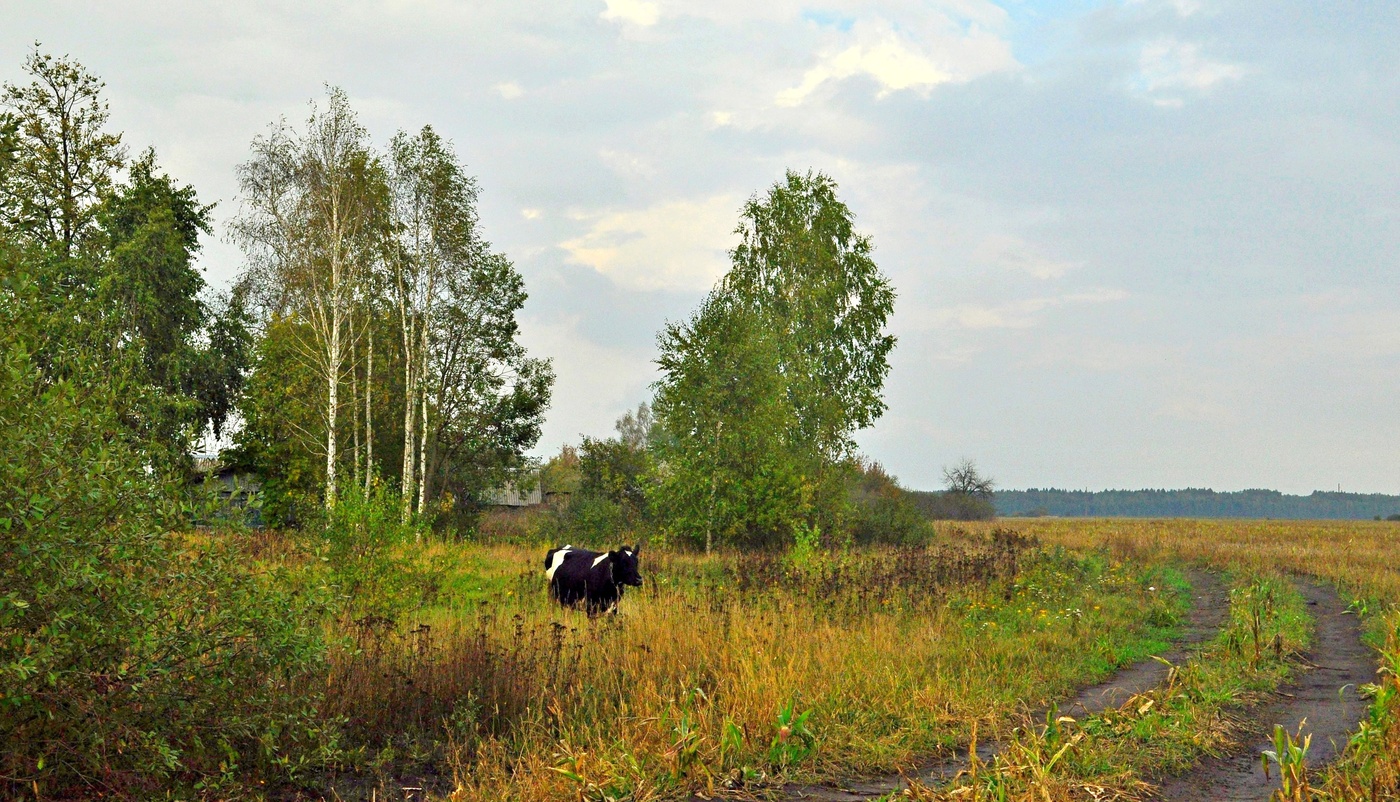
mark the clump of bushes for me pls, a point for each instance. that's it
(133, 658)
(882, 511)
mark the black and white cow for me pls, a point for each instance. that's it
(597, 580)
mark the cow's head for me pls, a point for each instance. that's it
(624, 566)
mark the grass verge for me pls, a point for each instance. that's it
(1113, 754)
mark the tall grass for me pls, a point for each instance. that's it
(1361, 557)
(733, 670)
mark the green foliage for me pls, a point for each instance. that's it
(132, 658)
(793, 741)
(59, 163)
(809, 275)
(765, 386)
(615, 471)
(731, 470)
(603, 488)
(457, 303)
(117, 259)
(359, 541)
(882, 511)
(1290, 754)
(282, 425)
(807, 540)
(561, 473)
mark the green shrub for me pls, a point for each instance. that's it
(132, 657)
(882, 511)
(359, 543)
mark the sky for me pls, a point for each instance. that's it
(1143, 243)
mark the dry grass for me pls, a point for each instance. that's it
(703, 682)
(1361, 558)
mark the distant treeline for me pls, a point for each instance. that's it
(1195, 503)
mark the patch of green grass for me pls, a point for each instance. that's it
(1168, 728)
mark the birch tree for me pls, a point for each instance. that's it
(313, 207)
(434, 207)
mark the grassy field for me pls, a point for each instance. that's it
(1361, 558)
(732, 673)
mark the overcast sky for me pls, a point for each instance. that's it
(1136, 244)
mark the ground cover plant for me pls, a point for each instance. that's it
(1359, 557)
(1116, 753)
(731, 670)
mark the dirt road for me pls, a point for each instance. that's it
(1211, 605)
(1325, 695)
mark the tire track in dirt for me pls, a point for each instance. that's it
(1209, 610)
(1325, 695)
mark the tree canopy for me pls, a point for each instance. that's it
(763, 388)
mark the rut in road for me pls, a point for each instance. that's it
(1210, 607)
(1325, 695)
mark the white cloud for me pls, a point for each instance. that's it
(948, 52)
(1016, 254)
(636, 12)
(1167, 65)
(1015, 314)
(1184, 8)
(510, 90)
(677, 245)
(627, 164)
(596, 382)
(530, 213)
(1194, 409)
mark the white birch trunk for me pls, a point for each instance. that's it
(332, 400)
(423, 451)
(410, 416)
(355, 412)
(369, 413)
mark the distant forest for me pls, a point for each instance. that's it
(1195, 503)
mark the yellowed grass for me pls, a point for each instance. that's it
(1361, 557)
(683, 690)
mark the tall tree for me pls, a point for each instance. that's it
(732, 471)
(473, 399)
(118, 257)
(811, 278)
(435, 227)
(763, 389)
(61, 161)
(315, 208)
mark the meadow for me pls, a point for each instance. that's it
(731, 672)
(734, 673)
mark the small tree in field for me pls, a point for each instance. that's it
(763, 389)
(964, 479)
(969, 494)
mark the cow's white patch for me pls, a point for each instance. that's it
(628, 552)
(600, 559)
(556, 561)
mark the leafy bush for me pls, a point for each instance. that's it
(882, 511)
(359, 542)
(949, 506)
(132, 658)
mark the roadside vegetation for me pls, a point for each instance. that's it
(1358, 556)
(1119, 752)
